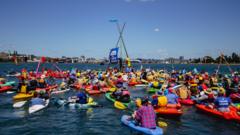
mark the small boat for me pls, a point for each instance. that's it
(5, 88)
(19, 104)
(10, 83)
(130, 123)
(36, 108)
(59, 91)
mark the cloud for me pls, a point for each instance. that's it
(156, 29)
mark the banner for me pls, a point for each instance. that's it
(113, 55)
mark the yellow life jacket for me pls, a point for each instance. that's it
(78, 74)
(155, 84)
(23, 89)
(162, 101)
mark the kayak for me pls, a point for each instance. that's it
(23, 96)
(232, 115)
(92, 92)
(73, 105)
(130, 123)
(152, 90)
(19, 104)
(59, 91)
(82, 106)
(47, 88)
(36, 108)
(108, 96)
(168, 111)
(141, 85)
(174, 106)
(10, 83)
(186, 101)
(5, 88)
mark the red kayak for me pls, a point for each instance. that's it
(175, 106)
(169, 111)
(232, 115)
(186, 101)
(5, 88)
(92, 92)
(48, 88)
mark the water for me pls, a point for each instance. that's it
(102, 120)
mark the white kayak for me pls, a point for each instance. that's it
(19, 104)
(60, 91)
(10, 92)
(141, 85)
(36, 108)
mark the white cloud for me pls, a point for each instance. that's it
(156, 29)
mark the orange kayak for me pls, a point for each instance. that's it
(178, 106)
(186, 101)
(169, 111)
(232, 115)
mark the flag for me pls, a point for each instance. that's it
(113, 55)
(43, 59)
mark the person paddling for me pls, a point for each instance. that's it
(145, 115)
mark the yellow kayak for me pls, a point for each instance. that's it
(23, 96)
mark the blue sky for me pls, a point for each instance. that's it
(154, 29)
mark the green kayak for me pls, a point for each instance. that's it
(108, 96)
(8, 83)
(152, 90)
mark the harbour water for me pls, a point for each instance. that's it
(106, 119)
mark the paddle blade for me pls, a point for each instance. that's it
(119, 105)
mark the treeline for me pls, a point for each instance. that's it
(233, 59)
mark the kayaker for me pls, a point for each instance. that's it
(222, 103)
(145, 115)
(23, 87)
(183, 92)
(125, 97)
(206, 97)
(81, 98)
(36, 100)
(172, 97)
(42, 83)
(159, 100)
(63, 84)
(33, 84)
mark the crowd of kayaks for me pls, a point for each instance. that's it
(106, 82)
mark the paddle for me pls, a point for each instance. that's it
(119, 105)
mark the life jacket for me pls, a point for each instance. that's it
(162, 101)
(155, 84)
(23, 89)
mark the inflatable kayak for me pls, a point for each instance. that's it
(59, 91)
(23, 96)
(5, 88)
(130, 123)
(108, 96)
(232, 115)
(186, 101)
(168, 111)
(36, 108)
(10, 83)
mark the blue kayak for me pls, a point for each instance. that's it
(125, 120)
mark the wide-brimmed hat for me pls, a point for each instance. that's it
(221, 90)
(208, 91)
